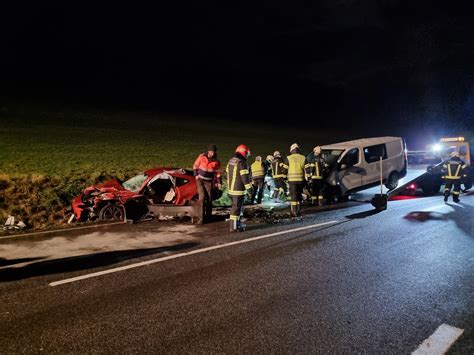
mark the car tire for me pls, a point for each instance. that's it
(430, 188)
(392, 181)
(111, 212)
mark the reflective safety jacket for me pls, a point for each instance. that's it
(258, 170)
(453, 168)
(207, 168)
(315, 166)
(278, 168)
(295, 164)
(238, 176)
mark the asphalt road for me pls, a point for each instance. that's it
(366, 282)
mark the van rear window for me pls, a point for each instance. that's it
(374, 152)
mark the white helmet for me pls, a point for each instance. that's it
(317, 150)
(276, 154)
(455, 154)
(294, 146)
(270, 158)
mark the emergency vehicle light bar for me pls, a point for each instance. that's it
(455, 139)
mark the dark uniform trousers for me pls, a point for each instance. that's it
(316, 189)
(296, 192)
(455, 184)
(257, 189)
(237, 204)
(280, 187)
(204, 188)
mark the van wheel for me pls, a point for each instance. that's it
(335, 195)
(392, 181)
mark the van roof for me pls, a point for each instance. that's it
(359, 142)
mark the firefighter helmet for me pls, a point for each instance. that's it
(276, 154)
(294, 146)
(317, 150)
(270, 158)
(243, 150)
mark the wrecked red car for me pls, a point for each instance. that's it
(134, 198)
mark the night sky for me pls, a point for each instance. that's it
(379, 63)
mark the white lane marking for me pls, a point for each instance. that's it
(197, 251)
(440, 341)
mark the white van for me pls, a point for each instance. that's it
(355, 165)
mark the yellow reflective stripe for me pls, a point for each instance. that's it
(449, 170)
(235, 193)
(317, 177)
(248, 186)
(234, 177)
(285, 166)
(234, 217)
(464, 166)
(317, 170)
(293, 203)
(244, 171)
(278, 176)
(320, 197)
(455, 192)
(458, 170)
(452, 177)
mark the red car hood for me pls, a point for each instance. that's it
(112, 187)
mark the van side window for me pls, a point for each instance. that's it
(374, 152)
(351, 158)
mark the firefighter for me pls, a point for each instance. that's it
(295, 163)
(258, 172)
(315, 168)
(207, 170)
(453, 169)
(238, 177)
(268, 182)
(279, 176)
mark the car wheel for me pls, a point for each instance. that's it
(392, 181)
(430, 188)
(111, 212)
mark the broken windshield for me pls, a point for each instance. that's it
(135, 182)
(331, 155)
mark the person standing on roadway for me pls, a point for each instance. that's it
(238, 179)
(258, 171)
(295, 163)
(279, 175)
(315, 169)
(453, 169)
(207, 170)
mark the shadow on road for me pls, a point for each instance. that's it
(423, 216)
(462, 216)
(6, 262)
(82, 262)
(363, 214)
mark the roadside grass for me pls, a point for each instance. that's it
(48, 156)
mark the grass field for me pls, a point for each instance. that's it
(47, 156)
